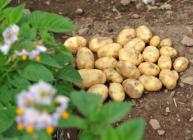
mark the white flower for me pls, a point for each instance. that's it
(10, 34)
(41, 48)
(5, 48)
(23, 52)
(33, 54)
(149, 1)
(45, 120)
(25, 99)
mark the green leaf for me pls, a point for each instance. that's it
(63, 58)
(51, 22)
(37, 72)
(109, 134)
(69, 73)
(86, 136)
(18, 82)
(6, 95)
(64, 88)
(48, 60)
(87, 104)
(4, 3)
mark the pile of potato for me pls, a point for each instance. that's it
(135, 61)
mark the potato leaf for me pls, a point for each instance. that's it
(4, 3)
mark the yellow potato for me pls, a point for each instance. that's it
(155, 40)
(131, 55)
(151, 54)
(105, 62)
(74, 43)
(99, 89)
(113, 76)
(98, 42)
(168, 78)
(176, 74)
(144, 33)
(116, 92)
(150, 83)
(133, 88)
(136, 43)
(109, 50)
(84, 58)
(148, 68)
(127, 69)
(169, 51)
(166, 42)
(165, 62)
(180, 64)
(125, 35)
(91, 77)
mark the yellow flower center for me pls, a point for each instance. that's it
(20, 127)
(65, 115)
(37, 58)
(24, 57)
(19, 111)
(29, 129)
(50, 130)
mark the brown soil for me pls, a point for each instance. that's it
(100, 18)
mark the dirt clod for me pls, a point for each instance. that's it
(79, 11)
(161, 132)
(154, 124)
(187, 41)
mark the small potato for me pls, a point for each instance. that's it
(148, 68)
(144, 33)
(131, 55)
(151, 54)
(98, 42)
(176, 74)
(150, 83)
(84, 58)
(166, 42)
(155, 40)
(116, 92)
(105, 62)
(165, 62)
(180, 64)
(133, 88)
(136, 43)
(169, 51)
(127, 69)
(125, 35)
(113, 76)
(99, 89)
(109, 50)
(168, 78)
(73, 43)
(91, 77)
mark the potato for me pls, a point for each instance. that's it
(166, 42)
(127, 69)
(169, 51)
(73, 43)
(168, 78)
(99, 89)
(133, 88)
(131, 55)
(148, 68)
(125, 35)
(91, 77)
(113, 76)
(116, 92)
(136, 43)
(165, 62)
(144, 33)
(109, 50)
(176, 74)
(150, 83)
(155, 40)
(150, 54)
(84, 58)
(180, 64)
(105, 62)
(98, 42)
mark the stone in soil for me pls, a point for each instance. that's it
(135, 16)
(166, 6)
(187, 41)
(154, 124)
(187, 80)
(79, 11)
(125, 2)
(167, 110)
(83, 31)
(191, 119)
(161, 132)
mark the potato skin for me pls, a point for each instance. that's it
(99, 89)
(165, 62)
(116, 92)
(98, 42)
(74, 43)
(105, 62)
(127, 69)
(113, 76)
(151, 54)
(169, 51)
(133, 88)
(131, 55)
(155, 41)
(144, 33)
(109, 50)
(180, 64)
(125, 35)
(148, 68)
(136, 43)
(91, 77)
(150, 83)
(84, 58)
(166, 42)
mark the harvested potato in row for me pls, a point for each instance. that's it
(144, 33)
(116, 92)
(148, 68)
(105, 62)
(151, 54)
(169, 51)
(181, 64)
(113, 76)
(166, 42)
(136, 43)
(155, 41)
(165, 62)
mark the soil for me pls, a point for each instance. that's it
(106, 18)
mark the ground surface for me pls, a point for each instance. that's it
(172, 109)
